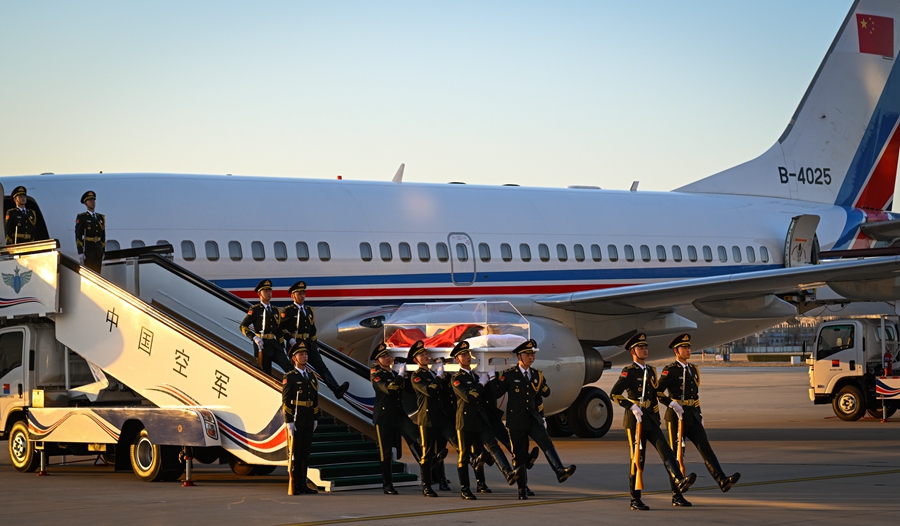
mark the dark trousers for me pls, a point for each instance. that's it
(650, 434)
(388, 438)
(694, 431)
(272, 352)
(298, 455)
(520, 446)
(93, 256)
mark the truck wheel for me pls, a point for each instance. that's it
(558, 425)
(21, 449)
(591, 414)
(849, 404)
(154, 463)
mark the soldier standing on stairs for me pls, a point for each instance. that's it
(300, 407)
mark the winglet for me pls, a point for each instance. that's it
(398, 177)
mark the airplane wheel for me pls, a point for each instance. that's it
(849, 404)
(591, 414)
(21, 449)
(241, 468)
(558, 425)
(152, 462)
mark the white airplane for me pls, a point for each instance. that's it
(721, 258)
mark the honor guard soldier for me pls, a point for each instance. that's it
(683, 418)
(298, 323)
(473, 425)
(388, 415)
(261, 325)
(434, 424)
(525, 386)
(90, 234)
(300, 406)
(21, 223)
(635, 391)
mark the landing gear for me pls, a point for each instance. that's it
(558, 425)
(590, 416)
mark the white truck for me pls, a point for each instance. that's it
(852, 367)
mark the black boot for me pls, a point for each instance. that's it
(480, 483)
(562, 473)
(533, 457)
(725, 482)
(529, 492)
(387, 478)
(332, 384)
(439, 475)
(307, 487)
(636, 503)
(679, 500)
(523, 494)
(464, 491)
(425, 470)
(511, 474)
(482, 487)
(679, 484)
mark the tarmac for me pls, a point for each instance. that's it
(799, 465)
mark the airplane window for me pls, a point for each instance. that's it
(751, 255)
(707, 253)
(736, 254)
(234, 251)
(405, 251)
(111, 245)
(137, 243)
(302, 251)
(629, 253)
(462, 252)
(723, 254)
(692, 253)
(676, 253)
(506, 252)
(613, 252)
(257, 251)
(544, 252)
(595, 253)
(442, 253)
(424, 252)
(579, 252)
(385, 249)
(764, 254)
(645, 253)
(525, 252)
(484, 252)
(280, 251)
(187, 251)
(324, 251)
(365, 251)
(212, 251)
(561, 253)
(660, 252)
(162, 242)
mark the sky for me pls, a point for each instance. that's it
(534, 93)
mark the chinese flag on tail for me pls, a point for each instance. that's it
(876, 35)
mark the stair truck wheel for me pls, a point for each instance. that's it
(241, 468)
(152, 462)
(849, 403)
(558, 425)
(591, 414)
(21, 449)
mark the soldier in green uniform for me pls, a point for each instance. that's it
(473, 424)
(682, 381)
(388, 415)
(90, 234)
(21, 223)
(261, 325)
(635, 391)
(300, 406)
(524, 385)
(298, 323)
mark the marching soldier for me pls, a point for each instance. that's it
(298, 323)
(525, 387)
(21, 223)
(434, 424)
(388, 415)
(300, 406)
(473, 425)
(261, 325)
(682, 381)
(642, 411)
(90, 234)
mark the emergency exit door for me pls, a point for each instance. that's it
(462, 258)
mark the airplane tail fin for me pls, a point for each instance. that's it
(841, 145)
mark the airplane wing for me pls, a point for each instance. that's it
(746, 295)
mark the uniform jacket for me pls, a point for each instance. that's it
(294, 389)
(471, 413)
(628, 389)
(21, 224)
(429, 391)
(524, 404)
(669, 388)
(301, 328)
(90, 231)
(388, 385)
(254, 318)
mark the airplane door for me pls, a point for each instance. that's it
(462, 258)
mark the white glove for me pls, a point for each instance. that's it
(291, 427)
(315, 425)
(292, 342)
(677, 408)
(545, 424)
(483, 379)
(637, 412)
(259, 342)
(399, 368)
(81, 258)
(492, 372)
(439, 369)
